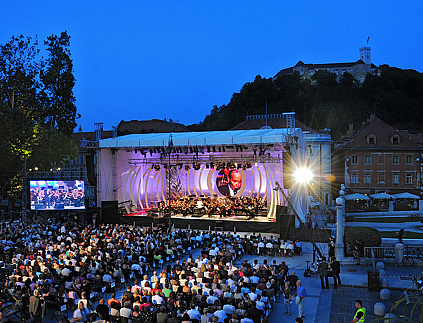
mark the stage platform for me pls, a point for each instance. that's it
(239, 223)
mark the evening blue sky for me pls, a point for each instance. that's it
(177, 59)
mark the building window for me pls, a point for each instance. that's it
(368, 160)
(395, 140)
(81, 160)
(395, 160)
(367, 178)
(354, 160)
(371, 140)
(409, 178)
(395, 179)
(381, 159)
(381, 178)
(409, 160)
(354, 178)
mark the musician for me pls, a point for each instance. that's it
(231, 185)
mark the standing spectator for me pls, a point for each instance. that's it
(331, 248)
(336, 270)
(300, 299)
(35, 307)
(323, 272)
(287, 298)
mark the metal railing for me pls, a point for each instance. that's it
(374, 254)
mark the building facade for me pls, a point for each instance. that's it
(378, 158)
(358, 69)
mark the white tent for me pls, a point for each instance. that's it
(356, 196)
(406, 195)
(382, 196)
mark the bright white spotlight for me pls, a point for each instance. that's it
(303, 175)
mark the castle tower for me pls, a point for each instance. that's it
(365, 55)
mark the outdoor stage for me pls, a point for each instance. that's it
(224, 171)
(238, 223)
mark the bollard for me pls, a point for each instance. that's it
(399, 253)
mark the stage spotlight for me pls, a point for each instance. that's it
(212, 165)
(207, 166)
(196, 166)
(191, 150)
(303, 175)
(187, 167)
(157, 167)
(223, 149)
(180, 166)
(208, 149)
(248, 165)
(214, 149)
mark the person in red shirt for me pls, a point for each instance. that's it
(113, 300)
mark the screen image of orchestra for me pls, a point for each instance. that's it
(57, 195)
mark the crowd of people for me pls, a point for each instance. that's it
(75, 265)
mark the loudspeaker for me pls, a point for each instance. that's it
(109, 212)
(284, 221)
(287, 170)
(89, 162)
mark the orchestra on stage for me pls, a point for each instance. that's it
(213, 206)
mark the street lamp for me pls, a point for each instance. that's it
(340, 212)
(168, 179)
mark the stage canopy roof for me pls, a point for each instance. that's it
(207, 138)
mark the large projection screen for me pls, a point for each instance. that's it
(57, 195)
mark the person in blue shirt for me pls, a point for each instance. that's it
(300, 299)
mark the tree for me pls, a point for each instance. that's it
(19, 87)
(58, 81)
(37, 106)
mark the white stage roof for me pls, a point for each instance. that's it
(207, 138)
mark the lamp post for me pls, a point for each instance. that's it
(168, 179)
(340, 213)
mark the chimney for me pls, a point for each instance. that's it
(350, 129)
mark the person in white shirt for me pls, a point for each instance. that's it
(260, 248)
(157, 299)
(125, 311)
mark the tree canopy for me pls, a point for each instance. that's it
(396, 96)
(37, 105)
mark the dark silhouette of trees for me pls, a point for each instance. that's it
(396, 96)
